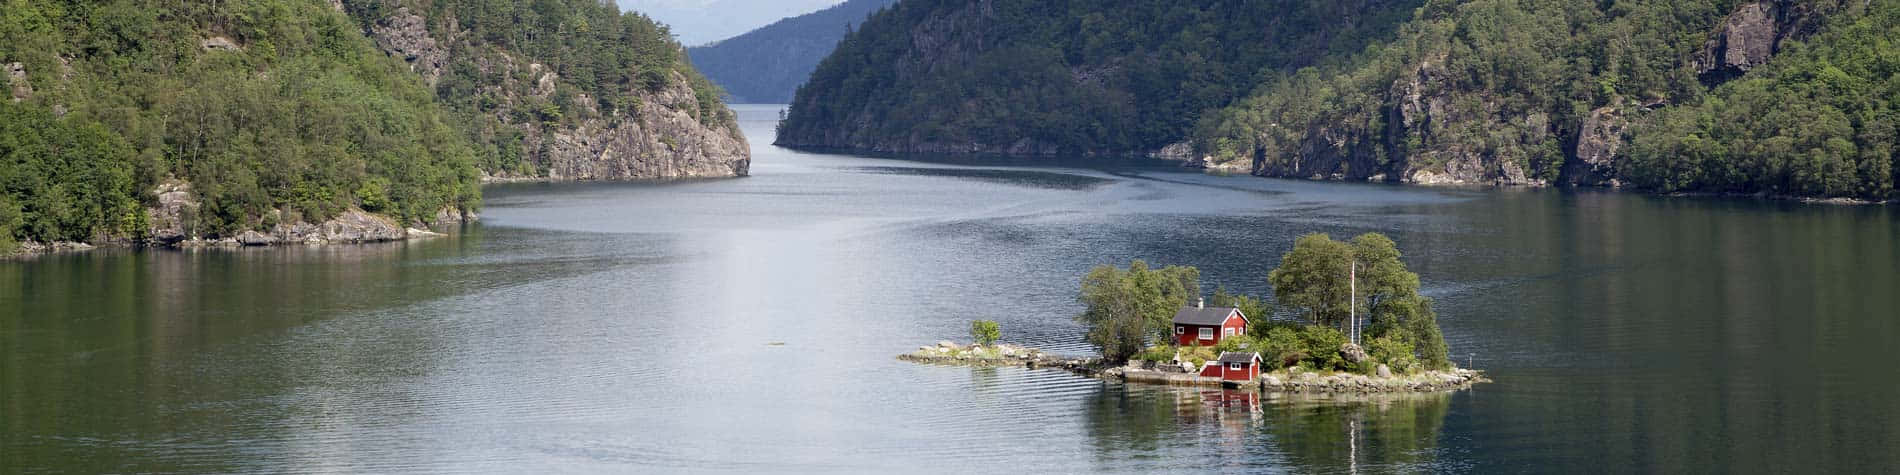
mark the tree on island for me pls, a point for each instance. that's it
(985, 332)
(1315, 278)
(1129, 309)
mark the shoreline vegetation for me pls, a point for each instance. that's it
(1358, 325)
(1291, 380)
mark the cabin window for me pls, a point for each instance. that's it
(1227, 332)
(1207, 333)
(1235, 366)
(1179, 330)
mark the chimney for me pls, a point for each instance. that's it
(1202, 303)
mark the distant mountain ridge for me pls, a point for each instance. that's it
(768, 64)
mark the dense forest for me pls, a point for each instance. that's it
(279, 111)
(264, 105)
(768, 64)
(1770, 97)
(1063, 76)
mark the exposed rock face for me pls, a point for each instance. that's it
(1414, 146)
(1753, 33)
(1747, 39)
(1597, 144)
(661, 137)
(172, 218)
(406, 35)
(16, 77)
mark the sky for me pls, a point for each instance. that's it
(697, 22)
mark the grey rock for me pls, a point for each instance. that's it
(16, 77)
(1353, 353)
(254, 238)
(174, 213)
(405, 35)
(1385, 371)
(1597, 146)
(218, 43)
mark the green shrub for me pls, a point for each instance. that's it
(1232, 343)
(1281, 347)
(1322, 347)
(985, 332)
(1393, 353)
(1157, 353)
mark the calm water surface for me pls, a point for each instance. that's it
(750, 324)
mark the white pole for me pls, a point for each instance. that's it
(1353, 301)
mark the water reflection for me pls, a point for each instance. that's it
(1251, 431)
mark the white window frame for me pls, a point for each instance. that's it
(1227, 332)
(1207, 333)
(1178, 329)
(1235, 366)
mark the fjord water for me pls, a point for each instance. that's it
(750, 325)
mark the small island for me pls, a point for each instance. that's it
(1358, 325)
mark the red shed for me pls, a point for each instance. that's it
(1207, 325)
(1234, 366)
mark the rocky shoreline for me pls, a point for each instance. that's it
(1284, 381)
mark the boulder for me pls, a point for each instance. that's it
(1385, 371)
(1353, 353)
(254, 238)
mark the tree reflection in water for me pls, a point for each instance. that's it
(1305, 433)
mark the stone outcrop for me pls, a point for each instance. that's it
(174, 213)
(1594, 162)
(660, 139)
(218, 43)
(659, 136)
(405, 35)
(16, 79)
(1754, 32)
(353, 226)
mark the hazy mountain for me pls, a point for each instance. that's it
(768, 64)
(698, 22)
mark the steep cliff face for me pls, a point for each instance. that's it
(656, 118)
(1754, 32)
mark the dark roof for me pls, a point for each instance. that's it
(1202, 316)
(1234, 357)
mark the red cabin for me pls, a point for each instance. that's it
(1233, 366)
(1207, 325)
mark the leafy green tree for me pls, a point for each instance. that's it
(1315, 279)
(985, 331)
(1129, 309)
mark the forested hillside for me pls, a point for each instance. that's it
(1771, 97)
(162, 120)
(768, 64)
(1780, 98)
(1063, 76)
(274, 110)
